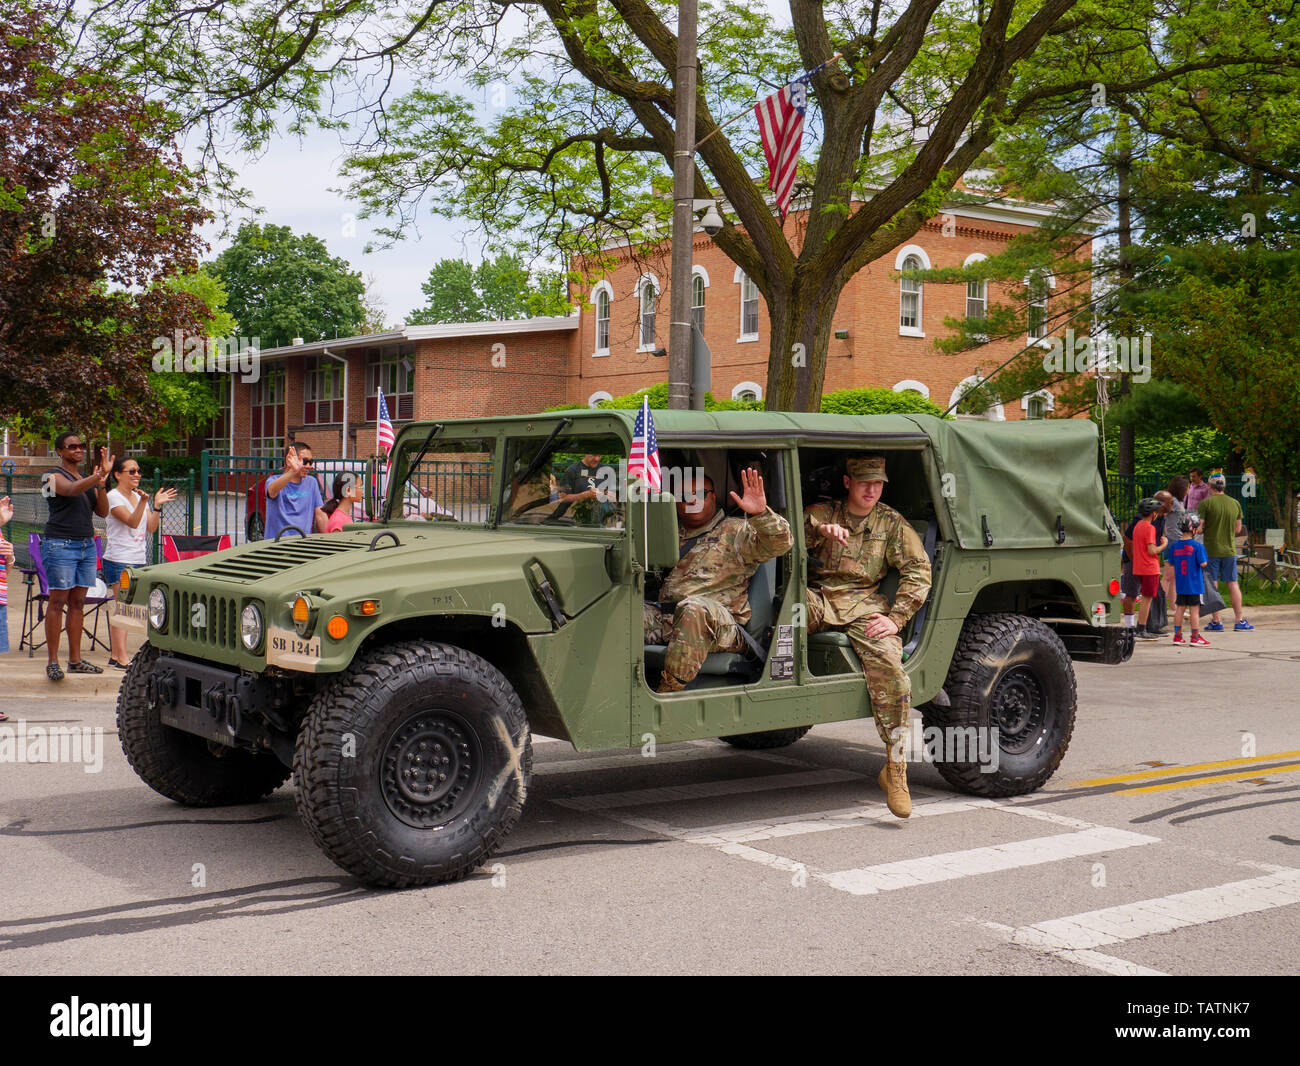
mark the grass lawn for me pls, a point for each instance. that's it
(1256, 596)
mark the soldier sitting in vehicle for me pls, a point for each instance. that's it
(705, 599)
(856, 541)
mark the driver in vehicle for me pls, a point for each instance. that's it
(705, 600)
(856, 541)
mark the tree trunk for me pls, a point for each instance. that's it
(801, 333)
(1124, 235)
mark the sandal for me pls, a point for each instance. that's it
(83, 667)
(53, 672)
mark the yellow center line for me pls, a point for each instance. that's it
(1174, 771)
(1206, 780)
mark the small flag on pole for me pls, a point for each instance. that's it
(780, 124)
(384, 431)
(644, 460)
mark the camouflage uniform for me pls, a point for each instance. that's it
(709, 588)
(844, 594)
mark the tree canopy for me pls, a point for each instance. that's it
(96, 213)
(497, 289)
(281, 285)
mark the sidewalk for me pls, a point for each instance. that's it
(21, 676)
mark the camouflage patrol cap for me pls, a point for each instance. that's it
(866, 468)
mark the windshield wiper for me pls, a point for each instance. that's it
(434, 430)
(544, 452)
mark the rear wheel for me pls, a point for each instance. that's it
(770, 738)
(1012, 693)
(414, 765)
(179, 765)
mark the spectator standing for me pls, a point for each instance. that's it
(336, 512)
(1166, 522)
(68, 547)
(132, 516)
(1197, 491)
(1221, 520)
(6, 560)
(1177, 488)
(293, 496)
(1147, 547)
(1189, 560)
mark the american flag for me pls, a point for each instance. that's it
(385, 436)
(644, 461)
(780, 124)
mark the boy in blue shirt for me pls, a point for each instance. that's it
(1189, 560)
(292, 498)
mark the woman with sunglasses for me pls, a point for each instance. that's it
(128, 530)
(68, 546)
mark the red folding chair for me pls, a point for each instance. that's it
(180, 546)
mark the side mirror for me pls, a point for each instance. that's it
(654, 530)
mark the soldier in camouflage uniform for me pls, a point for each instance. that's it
(708, 589)
(856, 541)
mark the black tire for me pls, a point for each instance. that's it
(1012, 672)
(254, 528)
(770, 738)
(182, 766)
(401, 705)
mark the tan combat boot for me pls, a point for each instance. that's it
(893, 782)
(668, 683)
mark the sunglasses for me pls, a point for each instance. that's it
(309, 462)
(132, 473)
(74, 447)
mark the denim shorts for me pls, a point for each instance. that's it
(69, 564)
(111, 571)
(1221, 568)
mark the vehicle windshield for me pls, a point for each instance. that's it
(575, 480)
(453, 481)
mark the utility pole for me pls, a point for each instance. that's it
(680, 394)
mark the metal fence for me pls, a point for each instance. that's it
(1256, 511)
(31, 511)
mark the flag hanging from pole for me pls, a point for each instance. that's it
(780, 125)
(644, 460)
(384, 429)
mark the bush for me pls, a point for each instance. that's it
(172, 466)
(1171, 453)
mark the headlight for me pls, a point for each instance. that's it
(158, 609)
(250, 627)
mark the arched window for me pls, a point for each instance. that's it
(747, 390)
(697, 301)
(1036, 407)
(909, 313)
(597, 397)
(912, 385)
(649, 297)
(601, 297)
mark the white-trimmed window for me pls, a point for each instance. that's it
(747, 390)
(911, 385)
(910, 291)
(648, 298)
(977, 292)
(698, 285)
(748, 307)
(1038, 285)
(175, 448)
(993, 413)
(322, 390)
(1038, 404)
(597, 397)
(601, 297)
(136, 451)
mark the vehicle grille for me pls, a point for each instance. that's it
(220, 613)
(273, 559)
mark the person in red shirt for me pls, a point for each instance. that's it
(1146, 561)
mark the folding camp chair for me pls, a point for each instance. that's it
(38, 598)
(178, 546)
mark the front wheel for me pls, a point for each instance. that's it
(414, 765)
(1012, 694)
(179, 765)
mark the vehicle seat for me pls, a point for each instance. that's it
(762, 602)
(927, 530)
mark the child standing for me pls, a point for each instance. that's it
(1189, 559)
(1146, 562)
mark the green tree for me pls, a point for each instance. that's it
(921, 92)
(497, 289)
(282, 285)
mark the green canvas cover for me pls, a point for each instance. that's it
(1020, 476)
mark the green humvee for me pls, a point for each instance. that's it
(400, 667)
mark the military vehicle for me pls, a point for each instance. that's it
(399, 668)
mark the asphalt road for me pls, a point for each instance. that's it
(705, 859)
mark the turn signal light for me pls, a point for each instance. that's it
(337, 627)
(124, 582)
(1113, 587)
(369, 607)
(301, 610)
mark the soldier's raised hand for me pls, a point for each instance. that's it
(755, 500)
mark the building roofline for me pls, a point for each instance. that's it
(439, 331)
